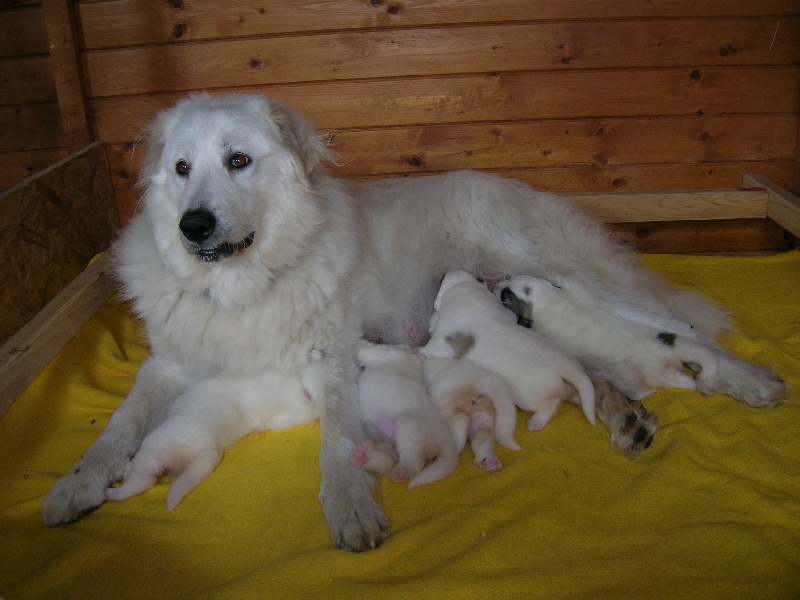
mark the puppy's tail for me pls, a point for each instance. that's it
(586, 397)
(505, 410)
(441, 466)
(698, 357)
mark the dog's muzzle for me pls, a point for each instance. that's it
(198, 226)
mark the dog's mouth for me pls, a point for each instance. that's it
(224, 250)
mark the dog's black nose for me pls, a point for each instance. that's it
(197, 225)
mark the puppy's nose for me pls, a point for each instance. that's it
(506, 295)
(197, 225)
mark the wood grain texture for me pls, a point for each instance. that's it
(52, 225)
(783, 207)
(17, 166)
(499, 97)
(142, 22)
(31, 348)
(443, 51)
(22, 32)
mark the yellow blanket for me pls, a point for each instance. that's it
(711, 510)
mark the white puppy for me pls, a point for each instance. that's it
(647, 356)
(477, 404)
(198, 430)
(409, 440)
(471, 323)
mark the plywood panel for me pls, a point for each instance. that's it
(143, 22)
(16, 166)
(499, 97)
(50, 227)
(441, 51)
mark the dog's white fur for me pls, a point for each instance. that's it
(199, 429)
(409, 441)
(541, 375)
(477, 405)
(328, 262)
(648, 356)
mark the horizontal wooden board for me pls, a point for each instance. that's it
(26, 81)
(565, 143)
(565, 180)
(22, 32)
(17, 166)
(634, 207)
(741, 236)
(499, 97)
(30, 127)
(143, 22)
(695, 43)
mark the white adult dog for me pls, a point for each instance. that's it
(247, 258)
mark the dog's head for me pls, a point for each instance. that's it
(450, 280)
(520, 294)
(231, 176)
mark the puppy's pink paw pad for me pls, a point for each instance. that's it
(491, 464)
(400, 475)
(359, 456)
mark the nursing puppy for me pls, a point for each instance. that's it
(648, 356)
(410, 441)
(198, 430)
(541, 375)
(477, 405)
(247, 257)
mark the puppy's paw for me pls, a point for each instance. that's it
(490, 463)
(78, 493)
(632, 428)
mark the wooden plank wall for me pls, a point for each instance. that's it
(570, 96)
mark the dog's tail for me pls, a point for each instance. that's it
(441, 466)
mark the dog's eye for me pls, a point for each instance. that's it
(239, 161)
(182, 168)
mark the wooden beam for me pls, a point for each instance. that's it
(783, 207)
(632, 207)
(65, 57)
(30, 350)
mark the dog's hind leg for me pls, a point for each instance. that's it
(746, 382)
(82, 490)
(631, 426)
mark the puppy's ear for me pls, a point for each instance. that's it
(307, 144)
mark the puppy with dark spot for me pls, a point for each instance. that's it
(541, 375)
(644, 356)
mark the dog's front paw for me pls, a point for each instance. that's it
(356, 520)
(632, 428)
(76, 494)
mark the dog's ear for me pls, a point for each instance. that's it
(307, 144)
(155, 136)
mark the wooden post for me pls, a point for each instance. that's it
(65, 56)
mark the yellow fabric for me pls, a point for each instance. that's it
(711, 510)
